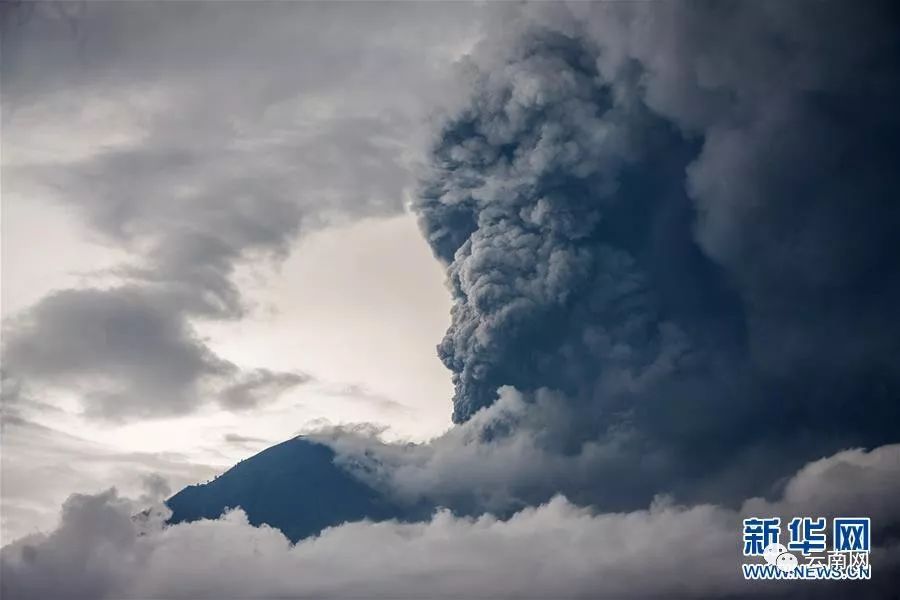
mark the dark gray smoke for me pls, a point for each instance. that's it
(683, 218)
(670, 235)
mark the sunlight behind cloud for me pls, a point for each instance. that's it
(359, 307)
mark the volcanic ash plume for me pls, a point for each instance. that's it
(631, 214)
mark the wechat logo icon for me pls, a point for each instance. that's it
(776, 554)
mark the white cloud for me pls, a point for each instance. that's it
(554, 550)
(42, 466)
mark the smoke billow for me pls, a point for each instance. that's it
(670, 237)
(681, 219)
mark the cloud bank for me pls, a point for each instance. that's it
(554, 550)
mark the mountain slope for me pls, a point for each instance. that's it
(293, 486)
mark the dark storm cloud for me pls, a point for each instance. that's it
(122, 344)
(681, 218)
(131, 353)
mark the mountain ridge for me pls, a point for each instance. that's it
(293, 486)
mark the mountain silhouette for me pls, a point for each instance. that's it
(293, 486)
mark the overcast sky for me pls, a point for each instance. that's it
(623, 268)
(234, 180)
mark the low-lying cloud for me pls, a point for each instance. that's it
(557, 549)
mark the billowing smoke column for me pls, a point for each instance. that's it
(531, 187)
(683, 218)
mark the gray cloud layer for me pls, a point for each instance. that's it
(225, 153)
(554, 550)
(130, 353)
(671, 229)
